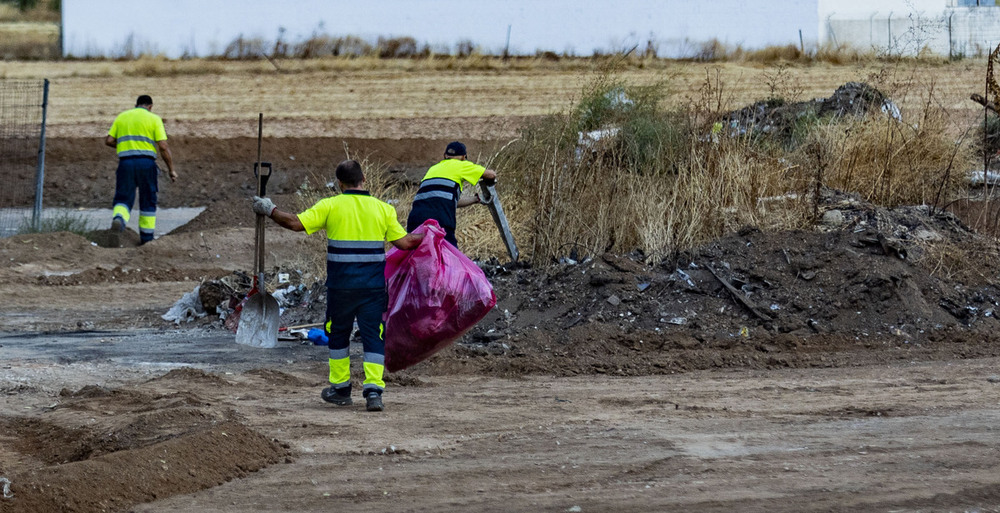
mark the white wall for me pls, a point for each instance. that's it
(205, 27)
(864, 8)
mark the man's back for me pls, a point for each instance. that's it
(357, 226)
(136, 132)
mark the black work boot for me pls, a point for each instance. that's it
(339, 396)
(373, 402)
(115, 235)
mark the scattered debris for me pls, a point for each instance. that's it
(778, 118)
(187, 308)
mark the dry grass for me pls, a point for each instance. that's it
(890, 163)
(24, 40)
(661, 184)
(597, 205)
(43, 11)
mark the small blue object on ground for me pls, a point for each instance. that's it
(318, 337)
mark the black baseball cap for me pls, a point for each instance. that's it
(455, 149)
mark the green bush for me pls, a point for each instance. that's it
(989, 134)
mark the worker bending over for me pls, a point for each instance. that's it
(357, 226)
(441, 190)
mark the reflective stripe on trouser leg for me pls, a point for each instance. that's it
(373, 340)
(340, 368)
(374, 370)
(122, 211)
(147, 225)
(339, 323)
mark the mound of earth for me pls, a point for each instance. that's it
(107, 450)
(778, 118)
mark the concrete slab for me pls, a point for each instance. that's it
(167, 219)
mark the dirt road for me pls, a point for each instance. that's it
(900, 437)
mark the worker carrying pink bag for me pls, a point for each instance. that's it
(436, 294)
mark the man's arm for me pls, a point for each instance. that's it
(287, 220)
(167, 157)
(111, 141)
(465, 201)
(489, 175)
(410, 241)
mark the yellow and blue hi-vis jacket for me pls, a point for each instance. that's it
(357, 226)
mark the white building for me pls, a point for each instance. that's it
(672, 28)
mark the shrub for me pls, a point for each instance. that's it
(988, 135)
(63, 222)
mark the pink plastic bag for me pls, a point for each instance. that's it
(436, 294)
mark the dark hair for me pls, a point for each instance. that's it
(349, 172)
(455, 149)
(144, 100)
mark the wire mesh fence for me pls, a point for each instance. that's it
(22, 117)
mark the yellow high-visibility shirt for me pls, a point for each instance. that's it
(136, 132)
(456, 171)
(357, 227)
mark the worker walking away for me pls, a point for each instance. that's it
(136, 134)
(357, 226)
(441, 190)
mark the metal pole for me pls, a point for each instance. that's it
(506, 45)
(889, 26)
(871, 29)
(36, 215)
(951, 44)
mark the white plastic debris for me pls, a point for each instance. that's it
(187, 308)
(981, 177)
(6, 488)
(282, 295)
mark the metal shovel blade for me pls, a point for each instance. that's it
(489, 195)
(259, 322)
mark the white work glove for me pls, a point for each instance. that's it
(263, 206)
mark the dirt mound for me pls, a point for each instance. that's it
(103, 462)
(870, 278)
(274, 377)
(779, 118)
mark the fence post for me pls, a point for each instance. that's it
(36, 215)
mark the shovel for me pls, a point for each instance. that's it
(488, 193)
(259, 320)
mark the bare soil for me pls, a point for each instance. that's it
(850, 367)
